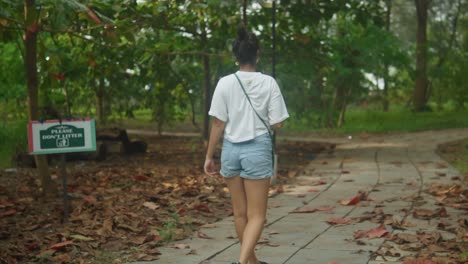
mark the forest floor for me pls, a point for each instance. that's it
(124, 205)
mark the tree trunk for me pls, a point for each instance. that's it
(386, 74)
(420, 96)
(30, 63)
(100, 110)
(67, 100)
(244, 11)
(339, 104)
(207, 91)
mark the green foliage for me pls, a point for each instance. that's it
(13, 138)
(134, 55)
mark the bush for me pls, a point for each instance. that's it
(13, 138)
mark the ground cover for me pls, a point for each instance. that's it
(124, 208)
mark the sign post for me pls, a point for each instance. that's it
(62, 136)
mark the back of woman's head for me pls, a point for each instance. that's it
(246, 46)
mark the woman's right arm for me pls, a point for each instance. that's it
(217, 130)
(277, 126)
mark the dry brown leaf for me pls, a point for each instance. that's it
(203, 235)
(338, 221)
(179, 246)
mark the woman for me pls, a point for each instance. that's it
(246, 158)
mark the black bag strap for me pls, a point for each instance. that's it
(250, 102)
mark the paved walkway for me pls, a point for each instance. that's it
(393, 169)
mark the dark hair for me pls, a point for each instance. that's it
(246, 46)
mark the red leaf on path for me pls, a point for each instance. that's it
(313, 190)
(203, 235)
(61, 244)
(93, 16)
(140, 178)
(419, 261)
(8, 212)
(371, 233)
(302, 211)
(318, 183)
(353, 201)
(338, 221)
(301, 195)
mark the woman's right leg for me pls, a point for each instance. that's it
(256, 193)
(239, 207)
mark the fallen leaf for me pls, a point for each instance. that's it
(90, 199)
(63, 258)
(203, 235)
(428, 214)
(151, 205)
(61, 245)
(81, 238)
(371, 233)
(8, 212)
(312, 210)
(312, 190)
(354, 200)
(140, 178)
(179, 246)
(318, 183)
(203, 208)
(338, 221)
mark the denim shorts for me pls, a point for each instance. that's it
(251, 159)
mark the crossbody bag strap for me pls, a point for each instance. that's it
(250, 102)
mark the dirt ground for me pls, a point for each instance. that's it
(125, 207)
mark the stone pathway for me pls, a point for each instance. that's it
(393, 169)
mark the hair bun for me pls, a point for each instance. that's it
(242, 33)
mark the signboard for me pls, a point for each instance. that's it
(55, 136)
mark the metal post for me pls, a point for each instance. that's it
(63, 174)
(273, 54)
(273, 34)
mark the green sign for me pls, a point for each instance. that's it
(62, 136)
(55, 136)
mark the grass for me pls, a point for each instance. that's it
(376, 121)
(461, 157)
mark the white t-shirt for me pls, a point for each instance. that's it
(230, 105)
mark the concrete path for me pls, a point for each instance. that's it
(394, 169)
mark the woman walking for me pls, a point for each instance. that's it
(246, 107)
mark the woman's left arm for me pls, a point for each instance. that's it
(217, 129)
